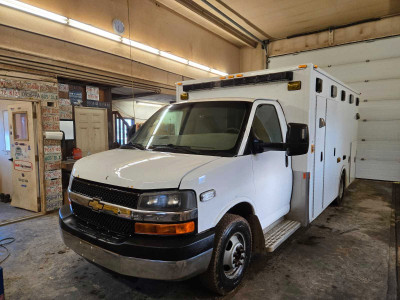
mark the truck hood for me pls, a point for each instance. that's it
(139, 169)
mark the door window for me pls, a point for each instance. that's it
(6, 131)
(266, 125)
(20, 126)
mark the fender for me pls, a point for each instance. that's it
(232, 204)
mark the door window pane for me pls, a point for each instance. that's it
(266, 125)
(20, 126)
(6, 131)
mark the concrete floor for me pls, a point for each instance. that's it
(9, 213)
(345, 253)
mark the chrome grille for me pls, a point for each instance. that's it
(107, 193)
(104, 221)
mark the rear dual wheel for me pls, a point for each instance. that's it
(231, 255)
(342, 186)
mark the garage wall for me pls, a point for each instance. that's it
(373, 68)
(148, 23)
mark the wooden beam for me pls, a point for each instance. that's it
(217, 21)
(361, 32)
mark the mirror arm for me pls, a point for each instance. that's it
(275, 146)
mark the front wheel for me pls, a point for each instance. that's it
(231, 256)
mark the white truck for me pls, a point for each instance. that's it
(235, 166)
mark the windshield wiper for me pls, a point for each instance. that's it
(183, 149)
(131, 145)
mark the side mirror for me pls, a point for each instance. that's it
(297, 139)
(131, 131)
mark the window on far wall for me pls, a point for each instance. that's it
(6, 131)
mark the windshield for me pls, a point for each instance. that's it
(207, 128)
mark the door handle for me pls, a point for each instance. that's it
(11, 159)
(322, 156)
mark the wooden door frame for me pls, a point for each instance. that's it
(40, 144)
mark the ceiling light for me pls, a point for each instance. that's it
(199, 66)
(140, 46)
(218, 72)
(103, 33)
(94, 30)
(174, 57)
(34, 10)
(149, 104)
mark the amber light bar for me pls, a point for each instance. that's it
(164, 229)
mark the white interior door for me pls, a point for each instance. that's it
(91, 129)
(319, 156)
(23, 152)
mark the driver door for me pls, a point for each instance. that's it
(272, 169)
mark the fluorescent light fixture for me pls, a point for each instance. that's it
(218, 72)
(174, 57)
(94, 30)
(34, 10)
(103, 33)
(140, 46)
(199, 66)
(149, 104)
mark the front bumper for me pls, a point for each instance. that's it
(160, 258)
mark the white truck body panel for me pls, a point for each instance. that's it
(338, 139)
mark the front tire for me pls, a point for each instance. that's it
(231, 255)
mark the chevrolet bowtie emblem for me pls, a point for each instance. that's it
(95, 205)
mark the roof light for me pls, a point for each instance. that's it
(199, 66)
(302, 66)
(103, 33)
(239, 75)
(149, 104)
(179, 83)
(315, 66)
(94, 30)
(231, 76)
(34, 10)
(218, 72)
(140, 46)
(174, 57)
(222, 77)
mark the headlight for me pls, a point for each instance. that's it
(168, 201)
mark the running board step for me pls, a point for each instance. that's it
(279, 233)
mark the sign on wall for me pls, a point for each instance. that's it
(75, 94)
(92, 93)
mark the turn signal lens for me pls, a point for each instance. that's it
(164, 229)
